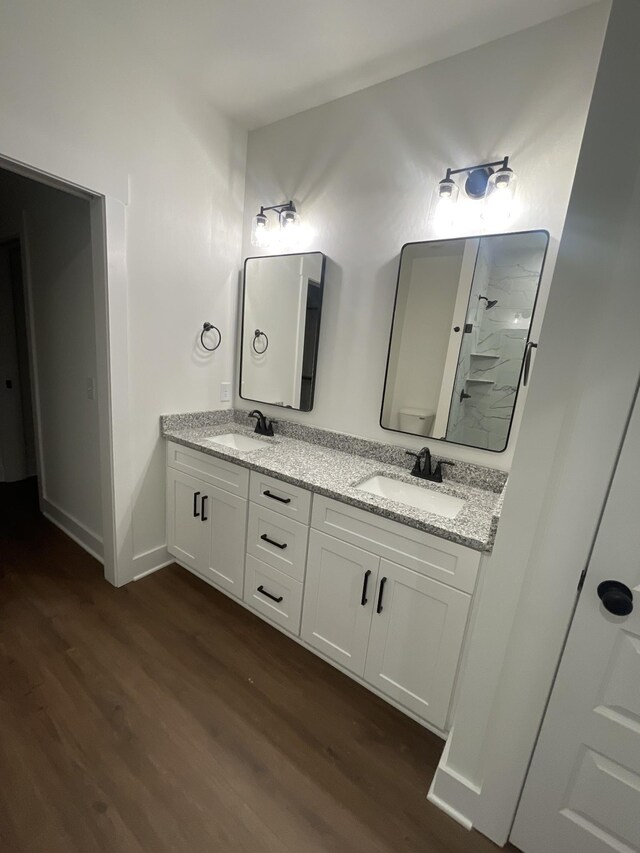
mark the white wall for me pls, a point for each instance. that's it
(362, 170)
(57, 248)
(78, 103)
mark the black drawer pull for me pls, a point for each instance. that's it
(268, 494)
(204, 498)
(281, 545)
(276, 598)
(379, 608)
(196, 495)
(365, 583)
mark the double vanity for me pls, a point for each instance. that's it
(363, 557)
(342, 549)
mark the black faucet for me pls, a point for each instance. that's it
(263, 426)
(422, 466)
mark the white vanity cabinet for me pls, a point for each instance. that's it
(388, 621)
(386, 602)
(207, 516)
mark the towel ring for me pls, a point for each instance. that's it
(259, 334)
(208, 327)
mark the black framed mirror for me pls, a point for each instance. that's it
(281, 311)
(461, 324)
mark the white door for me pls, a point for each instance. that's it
(225, 516)
(339, 593)
(13, 460)
(416, 635)
(582, 794)
(187, 534)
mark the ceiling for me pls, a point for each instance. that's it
(261, 60)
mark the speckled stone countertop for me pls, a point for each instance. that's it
(335, 473)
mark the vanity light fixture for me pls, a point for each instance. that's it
(501, 188)
(288, 222)
(496, 186)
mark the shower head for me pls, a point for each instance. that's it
(490, 302)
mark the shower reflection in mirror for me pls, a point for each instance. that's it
(462, 319)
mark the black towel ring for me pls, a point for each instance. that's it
(259, 334)
(208, 327)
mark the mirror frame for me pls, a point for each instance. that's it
(393, 322)
(317, 345)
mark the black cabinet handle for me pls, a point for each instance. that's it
(268, 494)
(275, 598)
(204, 498)
(196, 495)
(365, 583)
(281, 545)
(528, 350)
(379, 608)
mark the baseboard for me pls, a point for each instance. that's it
(149, 562)
(447, 809)
(91, 543)
(453, 794)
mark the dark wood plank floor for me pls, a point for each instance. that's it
(163, 717)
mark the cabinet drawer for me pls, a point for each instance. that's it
(216, 472)
(437, 558)
(291, 501)
(278, 541)
(276, 595)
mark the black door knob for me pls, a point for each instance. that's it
(616, 597)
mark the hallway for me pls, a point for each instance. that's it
(162, 716)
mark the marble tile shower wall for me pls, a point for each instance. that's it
(491, 358)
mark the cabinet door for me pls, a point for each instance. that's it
(338, 600)
(187, 534)
(416, 637)
(226, 518)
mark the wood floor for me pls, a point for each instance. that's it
(163, 717)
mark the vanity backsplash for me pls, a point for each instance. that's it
(467, 473)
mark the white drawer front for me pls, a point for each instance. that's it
(277, 541)
(437, 558)
(275, 595)
(291, 501)
(216, 472)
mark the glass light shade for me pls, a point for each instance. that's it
(290, 229)
(289, 221)
(498, 200)
(260, 231)
(446, 198)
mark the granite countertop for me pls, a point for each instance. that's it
(335, 473)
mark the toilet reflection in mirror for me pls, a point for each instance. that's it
(461, 324)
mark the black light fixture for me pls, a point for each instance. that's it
(288, 221)
(495, 182)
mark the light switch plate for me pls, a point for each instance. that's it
(91, 388)
(225, 392)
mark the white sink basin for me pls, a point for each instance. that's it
(415, 496)
(238, 442)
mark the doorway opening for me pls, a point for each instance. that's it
(52, 435)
